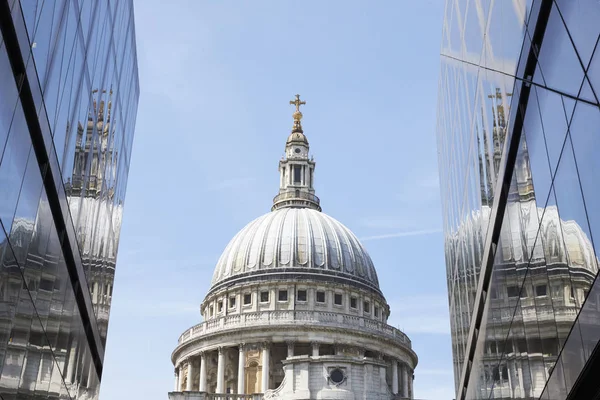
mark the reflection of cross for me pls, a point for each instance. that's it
(297, 102)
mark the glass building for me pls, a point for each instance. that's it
(518, 138)
(68, 102)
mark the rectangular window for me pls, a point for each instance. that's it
(232, 302)
(353, 302)
(376, 312)
(512, 291)
(220, 306)
(297, 174)
(540, 290)
(301, 295)
(337, 299)
(283, 295)
(556, 292)
(264, 297)
(247, 299)
(493, 293)
(320, 297)
(210, 311)
(45, 284)
(367, 307)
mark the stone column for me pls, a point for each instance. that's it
(265, 367)
(176, 380)
(241, 370)
(91, 374)
(221, 371)
(315, 349)
(520, 375)
(190, 375)
(394, 377)
(202, 386)
(69, 377)
(290, 349)
(410, 384)
(404, 380)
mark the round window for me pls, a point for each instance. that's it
(297, 150)
(336, 376)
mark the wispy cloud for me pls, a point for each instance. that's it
(433, 393)
(157, 309)
(233, 183)
(421, 314)
(401, 234)
(436, 372)
(432, 182)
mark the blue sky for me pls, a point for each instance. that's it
(216, 78)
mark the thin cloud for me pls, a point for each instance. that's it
(233, 183)
(432, 183)
(421, 314)
(433, 393)
(401, 234)
(437, 324)
(157, 309)
(435, 372)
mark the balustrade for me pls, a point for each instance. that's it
(286, 317)
(213, 396)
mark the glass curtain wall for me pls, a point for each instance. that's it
(518, 124)
(68, 101)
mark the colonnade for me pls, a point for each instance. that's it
(402, 377)
(202, 384)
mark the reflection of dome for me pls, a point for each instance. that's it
(572, 247)
(297, 241)
(297, 137)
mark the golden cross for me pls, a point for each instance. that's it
(297, 102)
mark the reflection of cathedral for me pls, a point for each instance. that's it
(294, 310)
(97, 217)
(91, 198)
(544, 267)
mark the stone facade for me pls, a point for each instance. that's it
(294, 310)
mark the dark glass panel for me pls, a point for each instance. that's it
(593, 72)
(558, 62)
(86, 10)
(22, 231)
(585, 136)
(581, 18)
(57, 87)
(505, 32)
(12, 167)
(556, 388)
(573, 356)
(31, 10)
(19, 336)
(579, 253)
(44, 36)
(8, 94)
(587, 93)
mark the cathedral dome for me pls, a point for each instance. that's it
(295, 242)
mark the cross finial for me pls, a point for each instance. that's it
(297, 102)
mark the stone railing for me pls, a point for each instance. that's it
(285, 317)
(213, 396)
(296, 195)
(540, 313)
